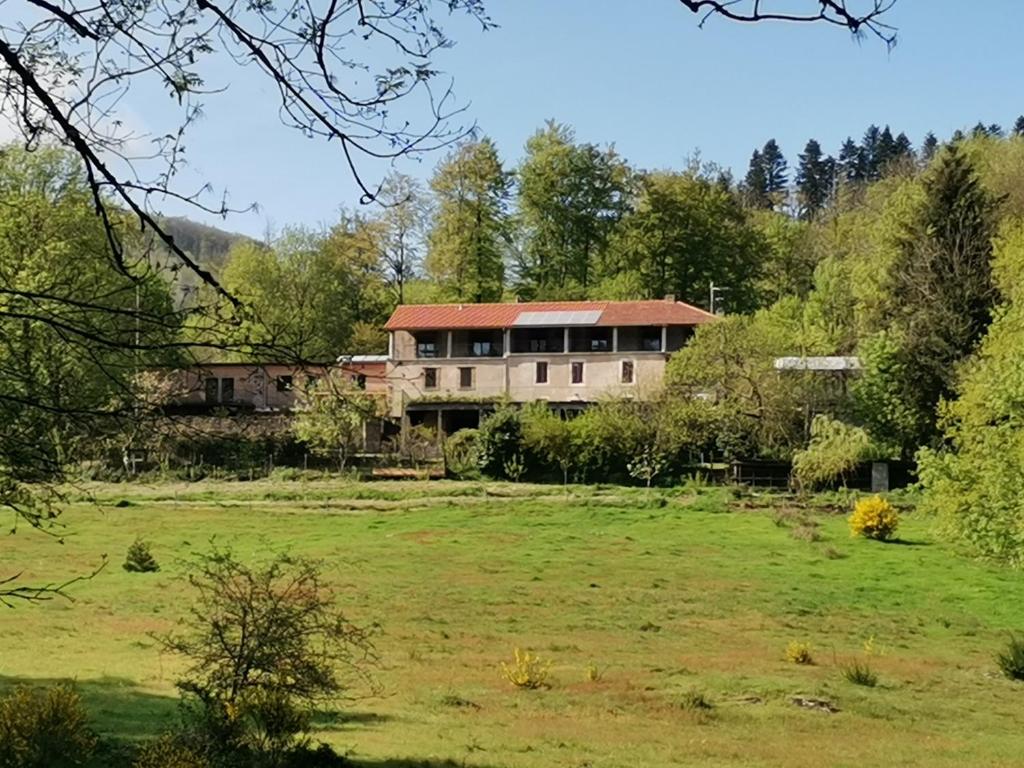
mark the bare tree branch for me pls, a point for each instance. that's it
(836, 12)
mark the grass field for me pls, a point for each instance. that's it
(686, 590)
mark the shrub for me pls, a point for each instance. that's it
(171, 751)
(44, 729)
(696, 701)
(549, 437)
(1011, 658)
(265, 646)
(874, 518)
(514, 467)
(499, 439)
(799, 653)
(834, 451)
(526, 671)
(139, 558)
(460, 455)
(859, 673)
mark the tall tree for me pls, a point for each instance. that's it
(850, 166)
(571, 197)
(928, 147)
(403, 222)
(755, 183)
(903, 150)
(468, 234)
(775, 171)
(942, 291)
(886, 150)
(869, 149)
(685, 231)
(1018, 126)
(813, 180)
(766, 180)
(306, 293)
(74, 333)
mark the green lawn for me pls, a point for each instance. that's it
(696, 592)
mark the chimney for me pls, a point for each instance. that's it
(670, 298)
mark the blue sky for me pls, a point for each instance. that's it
(642, 75)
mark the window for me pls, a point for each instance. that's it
(360, 380)
(599, 345)
(627, 371)
(651, 341)
(430, 378)
(484, 349)
(426, 349)
(212, 391)
(311, 381)
(219, 390)
(466, 378)
(576, 372)
(538, 345)
(541, 376)
(284, 383)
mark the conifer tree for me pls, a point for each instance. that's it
(886, 151)
(869, 154)
(904, 149)
(813, 180)
(850, 165)
(1018, 126)
(943, 292)
(775, 171)
(929, 147)
(755, 184)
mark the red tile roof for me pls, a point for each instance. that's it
(422, 317)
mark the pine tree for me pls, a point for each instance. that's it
(869, 153)
(886, 152)
(980, 130)
(1018, 127)
(995, 130)
(775, 171)
(813, 180)
(466, 247)
(928, 147)
(755, 184)
(943, 293)
(850, 166)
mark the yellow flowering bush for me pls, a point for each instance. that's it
(874, 518)
(799, 653)
(527, 671)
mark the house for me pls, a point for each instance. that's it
(267, 387)
(448, 363)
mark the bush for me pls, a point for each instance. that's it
(526, 671)
(499, 438)
(44, 729)
(799, 653)
(1011, 659)
(460, 455)
(696, 701)
(265, 646)
(874, 518)
(859, 673)
(140, 559)
(170, 751)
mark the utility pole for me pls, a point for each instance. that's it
(713, 291)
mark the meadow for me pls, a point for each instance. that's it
(638, 600)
